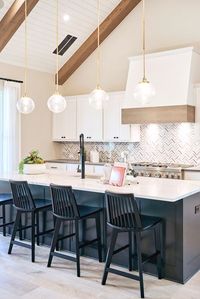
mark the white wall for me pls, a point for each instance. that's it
(35, 127)
(170, 24)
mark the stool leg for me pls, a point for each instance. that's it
(135, 266)
(10, 218)
(139, 255)
(38, 227)
(57, 242)
(77, 248)
(109, 255)
(44, 221)
(4, 219)
(25, 223)
(98, 228)
(33, 236)
(130, 251)
(54, 240)
(84, 226)
(20, 227)
(15, 226)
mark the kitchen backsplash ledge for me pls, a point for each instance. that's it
(166, 143)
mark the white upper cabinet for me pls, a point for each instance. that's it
(89, 120)
(114, 130)
(64, 123)
(96, 125)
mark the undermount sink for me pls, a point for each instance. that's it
(87, 176)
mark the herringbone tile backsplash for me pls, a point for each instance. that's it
(166, 143)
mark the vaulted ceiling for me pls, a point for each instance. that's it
(181, 30)
(42, 31)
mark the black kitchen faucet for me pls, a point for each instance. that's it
(82, 156)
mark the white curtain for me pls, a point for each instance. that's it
(9, 126)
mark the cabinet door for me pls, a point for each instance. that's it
(72, 167)
(56, 166)
(89, 120)
(113, 129)
(99, 169)
(64, 123)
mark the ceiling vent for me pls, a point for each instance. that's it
(65, 44)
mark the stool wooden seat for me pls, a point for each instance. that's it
(123, 216)
(66, 209)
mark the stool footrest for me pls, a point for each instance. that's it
(45, 232)
(122, 273)
(64, 256)
(21, 244)
(120, 249)
(65, 237)
(24, 227)
(150, 257)
(6, 224)
(86, 243)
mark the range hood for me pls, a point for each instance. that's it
(173, 74)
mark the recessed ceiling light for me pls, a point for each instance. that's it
(1, 4)
(66, 17)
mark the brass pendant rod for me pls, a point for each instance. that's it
(98, 45)
(57, 56)
(26, 52)
(144, 40)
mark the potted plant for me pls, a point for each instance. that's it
(32, 164)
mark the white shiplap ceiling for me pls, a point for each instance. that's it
(42, 31)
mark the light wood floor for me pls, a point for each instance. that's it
(19, 278)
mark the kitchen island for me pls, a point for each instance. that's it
(177, 202)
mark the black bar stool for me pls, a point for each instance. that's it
(25, 204)
(65, 208)
(5, 199)
(123, 216)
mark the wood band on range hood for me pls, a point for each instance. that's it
(163, 114)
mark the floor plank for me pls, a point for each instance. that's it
(19, 278)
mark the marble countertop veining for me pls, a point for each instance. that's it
(151, 188)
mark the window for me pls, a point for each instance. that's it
(9, 126)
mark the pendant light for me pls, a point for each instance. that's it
(144, 89)
(98, 96)
(56, 103)
(25, 104)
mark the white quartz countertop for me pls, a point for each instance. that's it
(195, 168)
(151, 188)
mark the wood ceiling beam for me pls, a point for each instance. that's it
(13, 19)
(106, 27)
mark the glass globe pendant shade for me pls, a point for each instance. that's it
(25, 105)
(56, 103)
(144, 91)
(98, 98)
